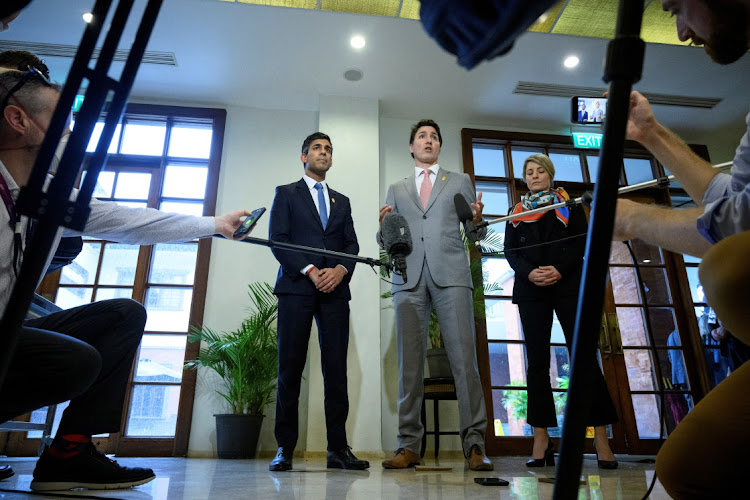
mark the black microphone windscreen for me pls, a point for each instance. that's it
(396, 235)
(462, 208)
(587, 197)
(9, 7)
(475, 30)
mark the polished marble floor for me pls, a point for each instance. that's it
(188, 479)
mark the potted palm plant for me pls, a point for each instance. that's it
(246, 361)
(490, 246)
(516, 401)
(437, 356)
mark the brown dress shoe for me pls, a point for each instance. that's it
(402, 459)
(478, 460)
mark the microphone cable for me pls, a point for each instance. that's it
(385, 269)
(551, 242)
(383, 278)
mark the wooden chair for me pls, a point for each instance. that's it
(436, 389)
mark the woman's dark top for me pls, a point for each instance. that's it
(566, 256)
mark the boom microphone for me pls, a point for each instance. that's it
(9, 7)
(475, 30)
(396, 238)
(587, 198)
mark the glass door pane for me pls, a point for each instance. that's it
(647, 357)
(489, 160)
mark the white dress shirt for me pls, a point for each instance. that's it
(314, 193)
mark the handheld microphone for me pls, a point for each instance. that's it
(397, 241)
(466, 216)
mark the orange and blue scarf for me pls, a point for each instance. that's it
(536, 200)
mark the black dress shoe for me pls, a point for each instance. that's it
(6, 471)
(345, 459)
(282, 460)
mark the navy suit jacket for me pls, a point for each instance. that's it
(294, 219)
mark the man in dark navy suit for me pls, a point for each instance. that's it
(311, 214)
(583, 115)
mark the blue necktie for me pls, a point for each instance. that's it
(322, 205)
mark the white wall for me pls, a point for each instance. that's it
(722, 144)
(261, 151)
(352, 124)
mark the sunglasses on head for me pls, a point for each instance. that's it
(30, 73)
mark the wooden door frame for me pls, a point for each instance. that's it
(690, 342)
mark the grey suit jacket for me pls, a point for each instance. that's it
(435, 230)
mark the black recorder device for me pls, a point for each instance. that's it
(491, 481)
(588, 110)
(249, 223)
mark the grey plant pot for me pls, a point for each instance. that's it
(438, 364)
(237, 435)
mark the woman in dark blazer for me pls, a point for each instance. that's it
(548, 274)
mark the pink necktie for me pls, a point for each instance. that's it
(426, 189)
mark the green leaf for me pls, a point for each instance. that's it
(246, 359)
(491, 246)
(516, 401)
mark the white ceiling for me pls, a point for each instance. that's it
(231, 54)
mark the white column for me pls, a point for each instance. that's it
(352, 124)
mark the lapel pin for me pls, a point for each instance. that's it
(443, 178)
(333, 200)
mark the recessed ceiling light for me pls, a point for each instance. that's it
(357, 41)
(88, 17)
(571, 61)
(646, 261)
(353, 75)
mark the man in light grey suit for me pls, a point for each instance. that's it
(438, 275)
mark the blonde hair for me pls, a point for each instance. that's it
(544, 162)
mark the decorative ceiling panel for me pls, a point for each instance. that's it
(546, 21)
(297, 4)
(659, 26)
(589, 18)
(410, 9)
(373, 7)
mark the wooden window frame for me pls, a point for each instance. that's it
(695, 364)
(178, 445)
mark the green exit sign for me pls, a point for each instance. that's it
(77, 103)
(587, 140)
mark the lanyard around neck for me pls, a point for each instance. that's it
(14, 224)
(8, 201)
